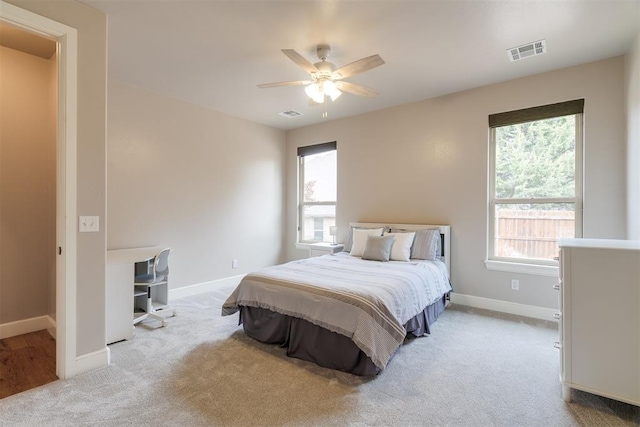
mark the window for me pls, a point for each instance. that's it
(318, 227)
(317, 192)
(535, 182)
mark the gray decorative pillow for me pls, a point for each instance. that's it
(426, 244)
(348, 241)
(378, 248)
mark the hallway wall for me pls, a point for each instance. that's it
(27, 186)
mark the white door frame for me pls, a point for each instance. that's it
(66, 208)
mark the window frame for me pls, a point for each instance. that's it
(302, 153)
(530, 265)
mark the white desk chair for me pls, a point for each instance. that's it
(153, 285)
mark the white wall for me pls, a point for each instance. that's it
(632, 82)
(208, 185)
(27, 185)
(426, 163)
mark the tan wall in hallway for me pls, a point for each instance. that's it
(53, 117)
(27, 186)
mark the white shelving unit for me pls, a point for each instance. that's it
(148, 298)
(126, 302)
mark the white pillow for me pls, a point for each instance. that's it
(401, 249)
(360, 239)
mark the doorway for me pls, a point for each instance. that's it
(65, 39)
(28, 116)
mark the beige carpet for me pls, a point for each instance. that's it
(476, 369)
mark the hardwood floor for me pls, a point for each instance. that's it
(26, 361)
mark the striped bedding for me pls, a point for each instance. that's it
(367, 301)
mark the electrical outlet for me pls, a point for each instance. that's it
(515, 285)
(234, 263)
(89, 224)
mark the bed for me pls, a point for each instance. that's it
(349, 311)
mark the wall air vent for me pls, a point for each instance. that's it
(527, 50)
(290, 114)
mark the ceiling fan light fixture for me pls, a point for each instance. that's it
(326, 81)
(318, 91)
(318, 98)
(313, 91)
(330, 89)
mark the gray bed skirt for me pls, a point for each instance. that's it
(304, 340)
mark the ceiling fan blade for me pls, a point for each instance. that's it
(356, 89)
(277, 84)
(360, 66)
(300, 60)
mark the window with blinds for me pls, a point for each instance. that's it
(317, 199)
(535, 181)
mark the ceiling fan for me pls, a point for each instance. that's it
(326, 81)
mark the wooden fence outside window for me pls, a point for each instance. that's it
(532, 233)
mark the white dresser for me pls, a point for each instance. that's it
(599, 322)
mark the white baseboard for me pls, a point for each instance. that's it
(26, 326)
(53, 325)
(504, 306)
(90, 361)
(204, 287)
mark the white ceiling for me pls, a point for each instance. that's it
(214, 53)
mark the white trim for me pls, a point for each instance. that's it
(66, 361)
(91, 361)
(515, 267)
(505, 306)
(67, 61)
(25, 326)
(201, 288)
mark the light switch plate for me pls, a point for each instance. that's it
(89, 224)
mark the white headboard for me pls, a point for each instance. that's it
(445, 234)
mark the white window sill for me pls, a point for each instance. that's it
(318, 245)
(516, 267)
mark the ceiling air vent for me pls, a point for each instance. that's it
(289, 113)
(527, 50)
